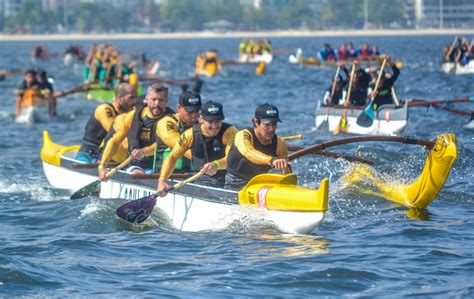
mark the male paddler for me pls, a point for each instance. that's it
(101, 121)
(383, 95)
(139, 127)
(209, 142)
(172, 126)
(256, 150)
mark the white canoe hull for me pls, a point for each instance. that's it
(388, 120)
(189, 213)
(66, 178)
(33, 114)
(191, 208)
(456, 68)
(247, 58)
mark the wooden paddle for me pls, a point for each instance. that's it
(292, 137)
(333, 88)
(366, 118)
(342, 124)
(137, 211)
(94, 187)
(395, 97)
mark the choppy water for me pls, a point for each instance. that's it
(51, 246)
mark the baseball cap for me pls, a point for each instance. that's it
(267, 113)
(191, 101)
(212, 111)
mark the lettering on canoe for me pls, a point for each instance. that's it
(262, 196)
(131, 193)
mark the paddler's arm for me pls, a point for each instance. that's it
(184, 144)
(282, 157)
(167, 131)
(244, 144)
(114, 143)
(221, 164)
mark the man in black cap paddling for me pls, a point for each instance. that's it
(256, 150)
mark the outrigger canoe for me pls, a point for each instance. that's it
(97, 93)
(298, 58)
(457, 68)
(290, 208)
(389, 119)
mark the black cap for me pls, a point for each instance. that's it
(191, 101)
(212, 111)
(267, 113)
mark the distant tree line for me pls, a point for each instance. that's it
(190, 15)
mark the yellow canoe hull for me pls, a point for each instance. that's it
(423, 190)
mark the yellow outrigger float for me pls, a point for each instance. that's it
(423, 190)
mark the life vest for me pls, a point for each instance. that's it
(208, 149)
(142, 134)
(241, 167)
(94, 133)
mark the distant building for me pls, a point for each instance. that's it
(440, 13)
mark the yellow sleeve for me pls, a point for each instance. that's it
(105, 115)
(282, 149)
(184, 144)
(228, 139)
(244, 144)
(120, 134)
(168, 131)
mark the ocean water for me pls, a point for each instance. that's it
(51, 246)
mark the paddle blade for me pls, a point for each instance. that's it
(366, 118)
(137, 211)
(90, 189)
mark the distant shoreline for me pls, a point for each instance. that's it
(208, 34)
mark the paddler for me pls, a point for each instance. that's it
(256, 150)
(101, 121)
(47, 91)
(360, 86)
(333, 95)
(29, 83)
(171, 127)
(383, 95)
(139, 127)
(209, 142)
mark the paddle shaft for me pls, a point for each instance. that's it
(292, 137)
(377, 83)
(351, 79)
(332, 143)
(120, 166)
(333, 89)
(188, 180)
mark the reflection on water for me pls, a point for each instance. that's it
(418, 214)
(271, 245)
